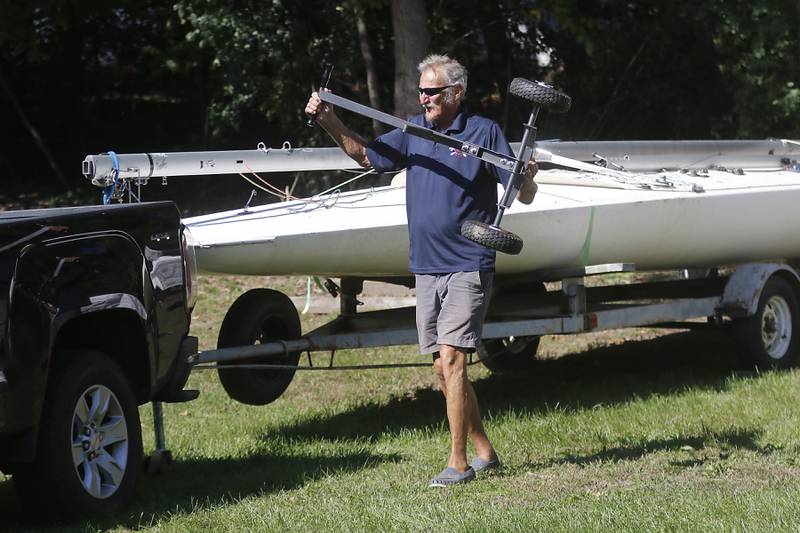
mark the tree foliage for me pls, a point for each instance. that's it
(147, 75)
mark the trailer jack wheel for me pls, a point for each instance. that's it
(769, 338)
(259, 315)
(509, 355)
(492, 237)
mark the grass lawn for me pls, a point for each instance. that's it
(634, 430)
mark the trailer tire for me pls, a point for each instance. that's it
(769, 338)
(509, 355)
(491, 237)
(540, 94)
(89, 451)
(257, 316)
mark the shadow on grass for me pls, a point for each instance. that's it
(667, 365)
(189, 485)
(725, 440)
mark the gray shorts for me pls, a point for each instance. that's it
(451, 309)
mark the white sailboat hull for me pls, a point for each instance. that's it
(576, 220)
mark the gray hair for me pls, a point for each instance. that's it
(454, 72)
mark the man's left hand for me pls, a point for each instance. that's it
(529, 187)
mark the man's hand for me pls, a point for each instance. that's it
(352, 144)
(529, 187)
(319, 109)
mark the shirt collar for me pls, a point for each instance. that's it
(458, 123)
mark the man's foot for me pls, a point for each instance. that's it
(481, 465)
(451, 476)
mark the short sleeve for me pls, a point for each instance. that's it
(388, 152)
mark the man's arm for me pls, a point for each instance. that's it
(350, 142)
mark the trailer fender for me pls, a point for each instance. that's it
(744, 287)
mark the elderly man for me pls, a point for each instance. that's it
(444, 187)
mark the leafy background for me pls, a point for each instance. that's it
(78, 78)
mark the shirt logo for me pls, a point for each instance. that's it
(457, 152)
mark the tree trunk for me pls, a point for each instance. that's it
(33, 131)
(411, 40)
(369, 64)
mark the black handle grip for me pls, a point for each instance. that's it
(323, 83)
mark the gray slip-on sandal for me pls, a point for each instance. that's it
(480, 465)
(451, 476)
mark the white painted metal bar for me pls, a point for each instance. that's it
(100, 168)
(631, 155)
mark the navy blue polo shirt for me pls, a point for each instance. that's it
(445, 187)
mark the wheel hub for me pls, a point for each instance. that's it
(776, 327)
(99, 441)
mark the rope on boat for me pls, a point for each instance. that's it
(275, 191)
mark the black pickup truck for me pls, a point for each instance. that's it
(95, 306)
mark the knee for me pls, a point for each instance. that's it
(451, 359)
(437, 367)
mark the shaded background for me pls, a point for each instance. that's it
(78, 78)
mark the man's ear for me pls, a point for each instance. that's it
(459, 90)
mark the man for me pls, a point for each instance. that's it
(444, 187)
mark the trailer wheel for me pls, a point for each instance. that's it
(257, 316)
(541, 94)
(769, 338)
(491, 237)
(509, 355)
(89, 450)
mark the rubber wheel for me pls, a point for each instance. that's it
(540, 94)
(89, 452)
(769, 338)
(509, 355)
(257, 316)
(491, 237)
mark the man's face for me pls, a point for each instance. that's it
(440, 109)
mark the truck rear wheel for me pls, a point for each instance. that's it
(89, 450)
(769, 338)
(257, 316)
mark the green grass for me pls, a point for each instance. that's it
(658, 433)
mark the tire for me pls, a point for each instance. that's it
(509, 355)
(769, 338)
(88, 456)
(540, 94)
(257, 316)
(492, 237)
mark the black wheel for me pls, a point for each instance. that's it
(491, 237)
(509, 355)
(541, 94)
(89, 452)
(257, 316)
(769, 338)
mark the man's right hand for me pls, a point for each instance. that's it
(318, 109)
(352, 144)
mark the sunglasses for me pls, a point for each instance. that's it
(433, 91)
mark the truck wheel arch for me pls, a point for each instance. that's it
(119, 334)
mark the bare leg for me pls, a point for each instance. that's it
(463, 414)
